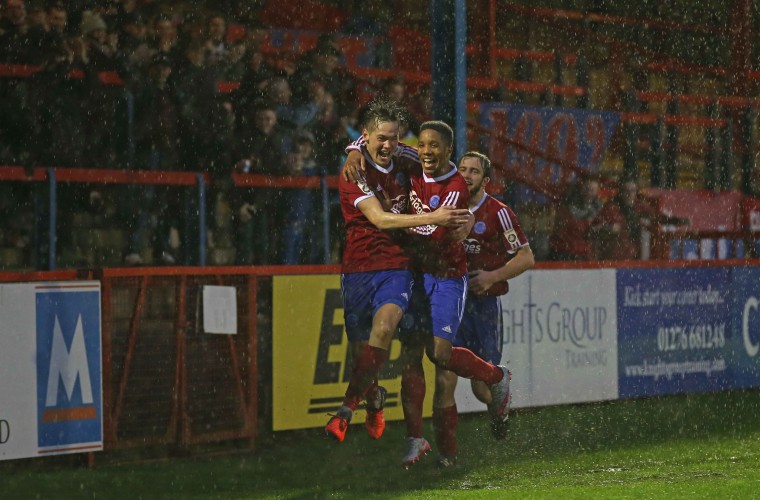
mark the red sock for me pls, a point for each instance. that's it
(466, 364)
(412, 396)
(371, 395)
(364, 374)
(445, 427)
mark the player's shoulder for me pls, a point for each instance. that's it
(495, 204)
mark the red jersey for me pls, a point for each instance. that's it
(367, 247)
(493, 239)
(433, 251)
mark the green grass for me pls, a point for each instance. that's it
(699, 446)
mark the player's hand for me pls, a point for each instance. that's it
(450, 217)
(354, 168)
(480, 281)
(459, 233)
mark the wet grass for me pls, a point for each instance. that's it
(699, 446)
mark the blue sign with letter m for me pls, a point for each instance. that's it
(69, 401)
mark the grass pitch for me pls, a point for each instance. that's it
(696, 446)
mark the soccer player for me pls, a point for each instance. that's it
(497, 251)
(441, 258)
(375, 280)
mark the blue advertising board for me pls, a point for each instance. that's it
(744, 346)
(69, 407)
(674, 331)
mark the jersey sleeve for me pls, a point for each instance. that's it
(356, 145)
(354, 192)
(512, 231)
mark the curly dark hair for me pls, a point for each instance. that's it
(442, 128)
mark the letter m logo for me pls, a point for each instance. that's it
(69, 407)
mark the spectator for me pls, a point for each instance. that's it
(254, 82)
(302, 222)
(194, 87)
(152, 209)
(618, 226)
(216, 45)
(57, 20)
(103, 55)
(324, 67)
(301, 115)
(420, 107)
(569, 239)
(257, 211)
(58, 115)
(165, 39)
(133, 40)
(372, 21)
(13, 32)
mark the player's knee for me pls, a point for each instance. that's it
(439, 354)
(382, 334)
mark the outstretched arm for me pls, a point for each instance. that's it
(445, 216)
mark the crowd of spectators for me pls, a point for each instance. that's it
(166, 112)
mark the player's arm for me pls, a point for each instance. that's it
(446, 216)
(460, 233)
(481, 280)
(437, 232)
(353, 168)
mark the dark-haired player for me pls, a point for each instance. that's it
(440, 258)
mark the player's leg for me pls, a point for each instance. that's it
(446, 304)
(413, 333)
(386, 295)
(412, 398)
(375, 420)
(445, 416)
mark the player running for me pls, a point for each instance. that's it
(441, 259)
(375, 280)
(497, 251)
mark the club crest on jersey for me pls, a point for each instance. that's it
(435, 200)
(512, 238)
(480, 227)
(401, 179)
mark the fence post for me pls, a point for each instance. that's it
(52, 217)
(325, 220)
(671, 146)
(656, 153)
(630, 136)
(201, 219)
(130, 100)
(558, 70)
(748, 157)
(726, 154)
(522, 73)
(711, 155)
(582, 79)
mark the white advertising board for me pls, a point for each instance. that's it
(50, 369)
(560, 339)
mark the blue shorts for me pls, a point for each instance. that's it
(480, 330)
(436, 307)
(365, 293)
